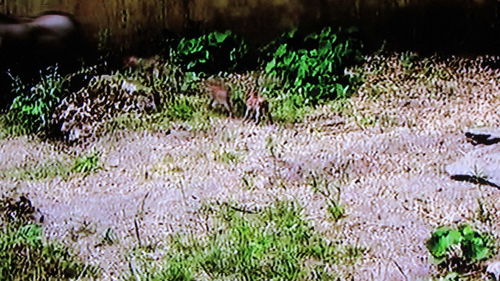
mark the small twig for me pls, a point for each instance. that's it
(242, 210)
(400, 269)
(137, 234)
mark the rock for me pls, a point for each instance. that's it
(483, 136)
(493, 270)
(480, 166)
(83, 113)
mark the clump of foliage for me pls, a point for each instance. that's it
(272, 244)
(332, 197)
(26, 256)
(459, 249)
(32, 108)
(86, 164)
(213, 52)
(312, 65)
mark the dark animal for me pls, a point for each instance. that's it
(52, 35)
(30, 44)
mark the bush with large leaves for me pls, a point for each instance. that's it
(312, 65)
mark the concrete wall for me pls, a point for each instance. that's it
(404, 22)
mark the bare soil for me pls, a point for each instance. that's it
(385, 149)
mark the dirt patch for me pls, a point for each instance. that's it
(385, 150)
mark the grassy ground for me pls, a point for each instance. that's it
(367, 174)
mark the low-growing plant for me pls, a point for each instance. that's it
(459, 249)
(289, 109)
(227, 157)
(32, 108)
(181, 109)
(331, 194)
(86, 164)
(275, 243)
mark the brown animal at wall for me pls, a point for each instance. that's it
(220, 95)
(257, 106)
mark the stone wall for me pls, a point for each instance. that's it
(404, 23)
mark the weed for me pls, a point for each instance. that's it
(86, 164)
(181, 109)
(26, 257)
(408, 59)
(334, 208)
(227, 157)
(32, 108)
(461, 249)
(289, 109)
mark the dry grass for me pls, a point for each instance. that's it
(385, 149)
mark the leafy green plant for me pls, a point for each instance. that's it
(212, 52)
(32, 108)
(275, 243)
(181, 108)
(86, 164)
(459, 249)
(312, 66)
(408, 59)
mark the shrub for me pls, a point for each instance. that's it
(213, 52)
(312, 66)
(32, 108)
(459, 249)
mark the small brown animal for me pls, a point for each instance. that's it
(257, 106)
(131, 61)
(220, 95)
(143, 63)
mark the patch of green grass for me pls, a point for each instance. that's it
(227, 157)
(85, 165)
(26, 256)
(47, 170)
(290, 109)
(275, 243)
(186, 111)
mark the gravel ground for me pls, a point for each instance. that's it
(385, 149)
